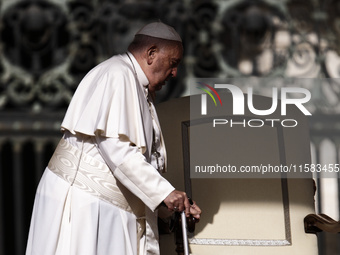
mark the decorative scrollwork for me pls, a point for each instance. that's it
(35, 36)
(35, 41)
(48, 46)
(247, 38)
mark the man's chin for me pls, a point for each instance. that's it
(160, 86)
(156, 87)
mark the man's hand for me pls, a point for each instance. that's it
(195, 211)
(178, 201)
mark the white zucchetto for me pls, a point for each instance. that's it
(160, 30)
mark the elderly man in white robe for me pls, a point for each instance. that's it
(102, 188)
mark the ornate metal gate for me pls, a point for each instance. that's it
(47, 46)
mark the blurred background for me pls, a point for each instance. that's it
(47, 46)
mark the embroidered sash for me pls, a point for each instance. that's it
(94, 177)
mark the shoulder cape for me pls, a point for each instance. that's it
(109, 102)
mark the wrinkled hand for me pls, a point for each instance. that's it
(178, 201)
(195, 211)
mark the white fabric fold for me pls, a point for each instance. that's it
(95, 226)
(130, 167)
(138, 175)
(107, 102)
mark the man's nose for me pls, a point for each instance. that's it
(174, 72)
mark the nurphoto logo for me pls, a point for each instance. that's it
(238, 106)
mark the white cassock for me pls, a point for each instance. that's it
(101, 189)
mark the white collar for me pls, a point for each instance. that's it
(141, 77)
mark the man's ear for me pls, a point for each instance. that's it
(151, 54)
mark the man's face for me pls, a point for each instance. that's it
(164, 66)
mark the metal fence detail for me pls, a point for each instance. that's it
(47, 46)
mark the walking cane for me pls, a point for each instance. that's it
(185, 230)
(181, 235)
(185, 233)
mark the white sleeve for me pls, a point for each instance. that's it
(130, 167)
